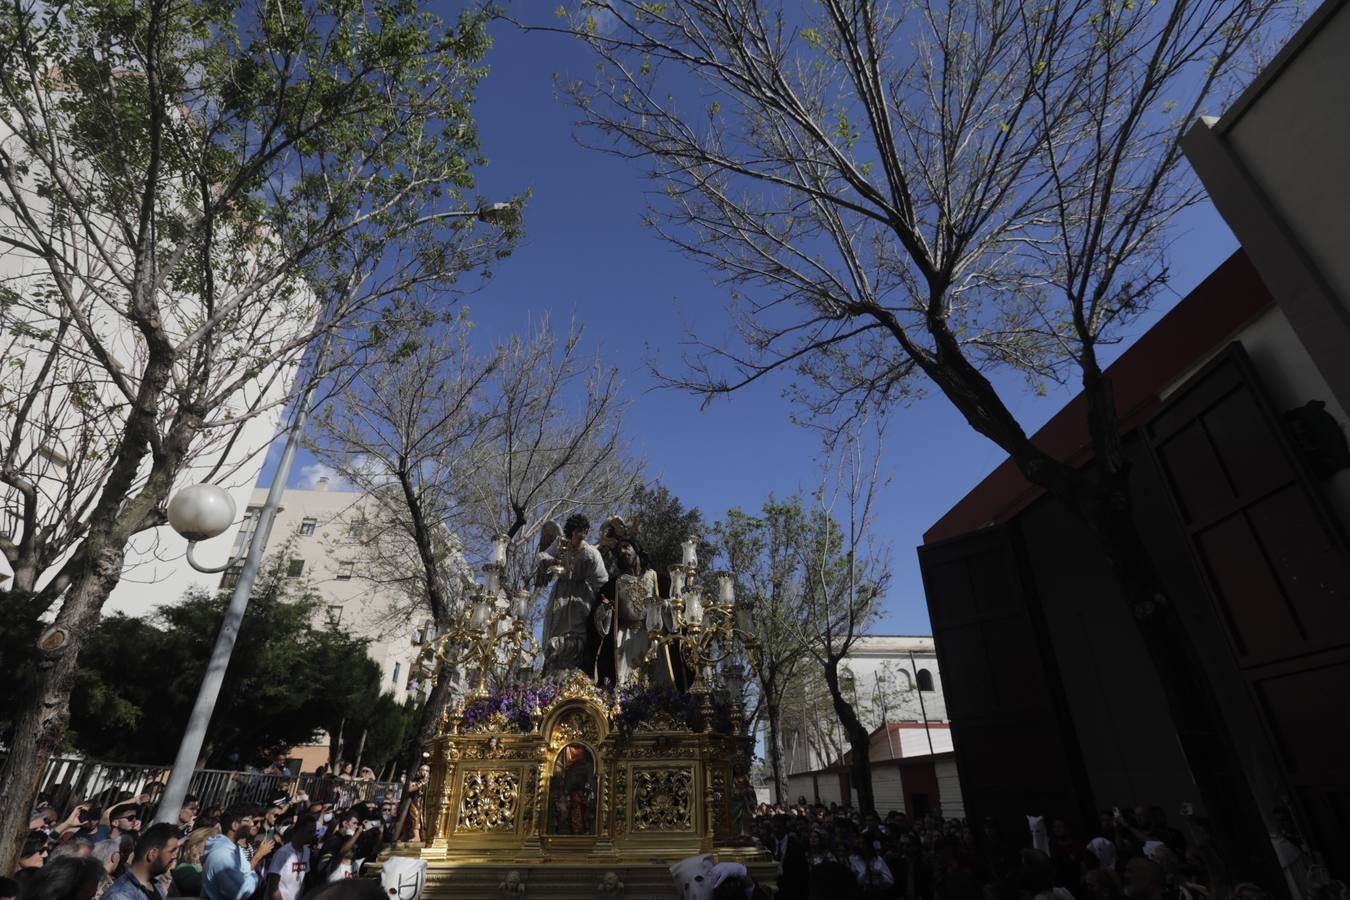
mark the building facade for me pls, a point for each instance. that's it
(888, 678)
(895, 686)
(1240, 473)
(1233, 413)
(312, 530)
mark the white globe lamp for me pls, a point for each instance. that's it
(201, 511)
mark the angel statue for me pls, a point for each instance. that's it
(578, 572)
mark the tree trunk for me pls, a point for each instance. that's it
(1240, 836)
(435, 706)
(859, 742)
(93, 570)
(1237, 825)
(774, 740)
(45, 711)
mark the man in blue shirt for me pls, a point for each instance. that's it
(227, 874)
(156, 853)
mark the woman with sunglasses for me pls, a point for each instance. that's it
(32, 857)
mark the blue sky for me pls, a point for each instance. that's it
(585, 254)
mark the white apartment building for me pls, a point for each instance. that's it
(76, 407)
(892, 679)
(312, 529)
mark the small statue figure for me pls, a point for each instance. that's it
(512, 886)
(609, 887)
(629, 609)
(743, 802)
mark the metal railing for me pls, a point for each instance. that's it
(67, 781)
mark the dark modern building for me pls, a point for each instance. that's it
(1241, 491)
(1233, 409)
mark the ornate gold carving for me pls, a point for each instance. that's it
(717, 790)
(621, 807)
(489, 750)
(488, 801)
(662, 721)
(528, 795)
(657, 751)
(577, 686)
(540, 784)
(497, 723)
(603, 818)
(662, 800)
(574, 725)
(441, 818)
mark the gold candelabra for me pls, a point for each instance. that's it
(708, 635)
(487, 635)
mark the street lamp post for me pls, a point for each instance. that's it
(171, 801)
(199, 511)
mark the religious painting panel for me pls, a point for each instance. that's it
(572, 793)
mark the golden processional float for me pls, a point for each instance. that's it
(559, 788)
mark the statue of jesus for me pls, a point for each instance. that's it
(629, 608)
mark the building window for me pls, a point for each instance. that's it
(307, 526)
(230, 577)
(848, 686)
(295, 568)
(925, 680)
(334, 615)
(398, 670)
(345, 570)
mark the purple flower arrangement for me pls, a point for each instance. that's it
(638, 702)
(515, 702)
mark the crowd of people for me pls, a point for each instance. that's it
(293, 845)
(833, 853)
(275, 849)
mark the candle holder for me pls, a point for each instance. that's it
(708, 633)
(487, 636)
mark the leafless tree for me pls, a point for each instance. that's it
(816, 582)
(181, 218)
(451, 446)
(847, 572)
(808, 705)
(557, 447)
(903, 193)
(402, 429)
